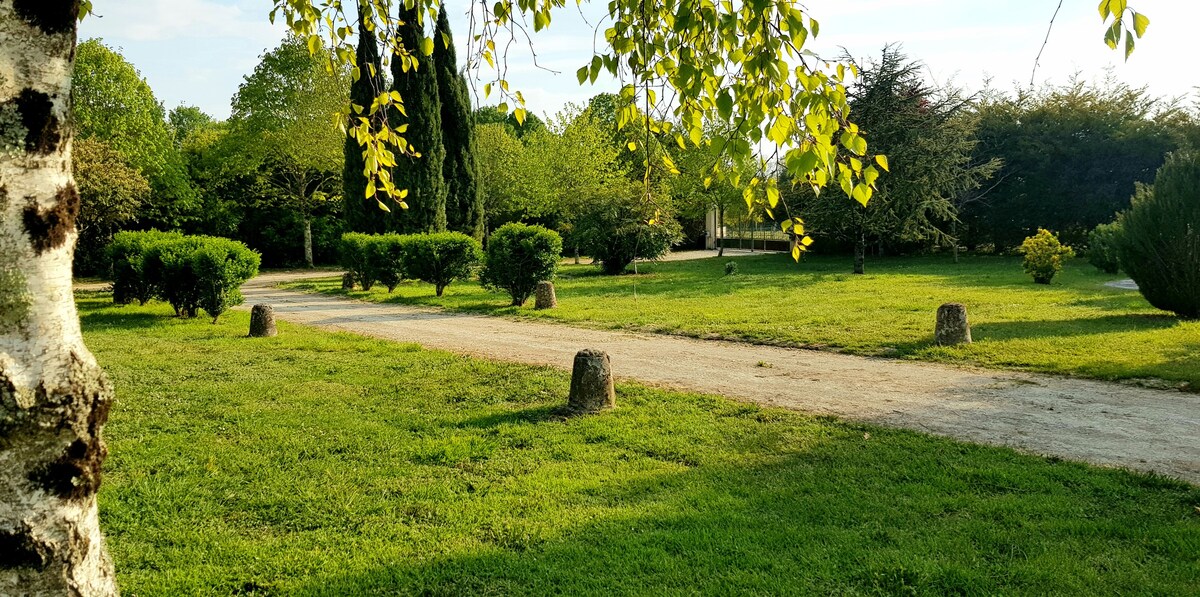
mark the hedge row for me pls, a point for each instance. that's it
(518, 257)
(388, 259)
(189, 272)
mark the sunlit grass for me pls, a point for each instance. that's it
(1074, 326)
(320, 463)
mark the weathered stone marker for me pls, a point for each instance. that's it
(591, 382)
(544, 296)
(262, 322)
(347, 281)
(952, 327)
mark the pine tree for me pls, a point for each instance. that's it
(464, 199)
(362, 213)
(421, 174)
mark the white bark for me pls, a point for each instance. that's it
(53, 397)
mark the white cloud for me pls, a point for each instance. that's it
(160, 20)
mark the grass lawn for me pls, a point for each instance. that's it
(1075, 326)
(320, 463)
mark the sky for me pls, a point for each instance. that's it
(196, 52)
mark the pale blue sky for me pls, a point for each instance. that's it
(197, 51)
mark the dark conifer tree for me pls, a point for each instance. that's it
(421, 174)
(464, 201)
(362, 213)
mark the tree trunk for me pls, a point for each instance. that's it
(954, 234)
(576, 253)
(54, 399)
(308, 258)
(860, 252)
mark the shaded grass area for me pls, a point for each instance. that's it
(321, 463)
(1076, 326)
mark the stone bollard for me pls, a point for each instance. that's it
(591, 383)
(262, 322)
(544, 296)
(952, 327)
(347, 281)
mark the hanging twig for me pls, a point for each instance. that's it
(1033, 75)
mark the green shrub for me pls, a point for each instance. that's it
(1159, 242)
(354, 253)
(386, 259)
(731, 268)
(127, 253)
(221, 266)
(168, 266)
(617, 229)
(1044, 256)
(518, 257)
(1102, 247)
(199, 272)
(440, 258)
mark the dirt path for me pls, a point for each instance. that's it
(1098, 422)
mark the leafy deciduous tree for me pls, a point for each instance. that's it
(281, 120)
(930, 136)
(114, 104)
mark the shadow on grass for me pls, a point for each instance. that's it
(1008, 330)
(541, 414)
(99, 311)
(812, 523)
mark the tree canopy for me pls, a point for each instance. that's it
(1072, 155)
(685, 62)
(930, 133)
(282, 125)
(113, 103)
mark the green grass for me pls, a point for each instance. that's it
(1076, 326)
(320, 463)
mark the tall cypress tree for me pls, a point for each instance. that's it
(362, 213)
(421, 175)
(464, 199)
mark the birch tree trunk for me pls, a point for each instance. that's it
(54, 399)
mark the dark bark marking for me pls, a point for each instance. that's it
(77, 473)
(48, 230)
(42, 128)
(51, 16)
(18, 549)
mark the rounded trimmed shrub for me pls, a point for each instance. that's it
(731, 268)
(440, 258)
(221, 266)
(127, 253)
(1102, 247)
(354, 252)
(519, 256)
(168, 266)
(1044, 256)
(1159, 242)
(386, 259)
(199, 272)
